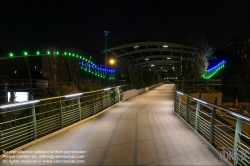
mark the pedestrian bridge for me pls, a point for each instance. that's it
(143, 130)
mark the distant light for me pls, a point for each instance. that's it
(48, 52)
(112, 61)
(37, 53)
(152, 65)
(11, 54)
(146, 59)
(25, 53)
(15, 72)
(136, 46)
(165, 46)
(57, 52)
(168, 58)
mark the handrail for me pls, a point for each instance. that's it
(228, 138)
(237, 114)
(45, 99)
(28, 121)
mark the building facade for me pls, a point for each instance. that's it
(239, 56)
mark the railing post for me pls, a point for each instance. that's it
(121, 94)
(93, 104)
(213, 115)
(119, 97)
(237, 136)
(114, 91)
(180, 99)
(187, 110)
(197, 113)
(34, 120)
(102, 100)
(61, 113)
(175, 98)
(109, 97)
(79, 107)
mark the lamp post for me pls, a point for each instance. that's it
(106, 40)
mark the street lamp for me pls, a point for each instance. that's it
(112, 61)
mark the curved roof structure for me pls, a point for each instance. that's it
(154, 55)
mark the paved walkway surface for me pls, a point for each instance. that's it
(140, 131)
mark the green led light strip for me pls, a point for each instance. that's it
(211, 72)
(88, 66)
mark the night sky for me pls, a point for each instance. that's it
(80, 24)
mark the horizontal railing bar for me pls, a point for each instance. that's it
(217, 106)
(14, 135)
(16, 119)
(47, 118)
(52, 127)
(13, 145)
(28, 134)
(221, 136)
(15, 127)
(57, 109)
(6, 135)
(52, 121)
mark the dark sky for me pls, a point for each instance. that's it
(80, 24)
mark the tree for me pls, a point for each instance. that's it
(193, 67)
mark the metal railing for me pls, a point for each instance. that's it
(42, 88)
(225, 131)
(21, 123)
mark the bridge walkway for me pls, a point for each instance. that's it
(140, 131)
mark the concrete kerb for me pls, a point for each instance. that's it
(63, 130)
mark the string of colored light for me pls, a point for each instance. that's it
(211, 72)
(86, 64)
